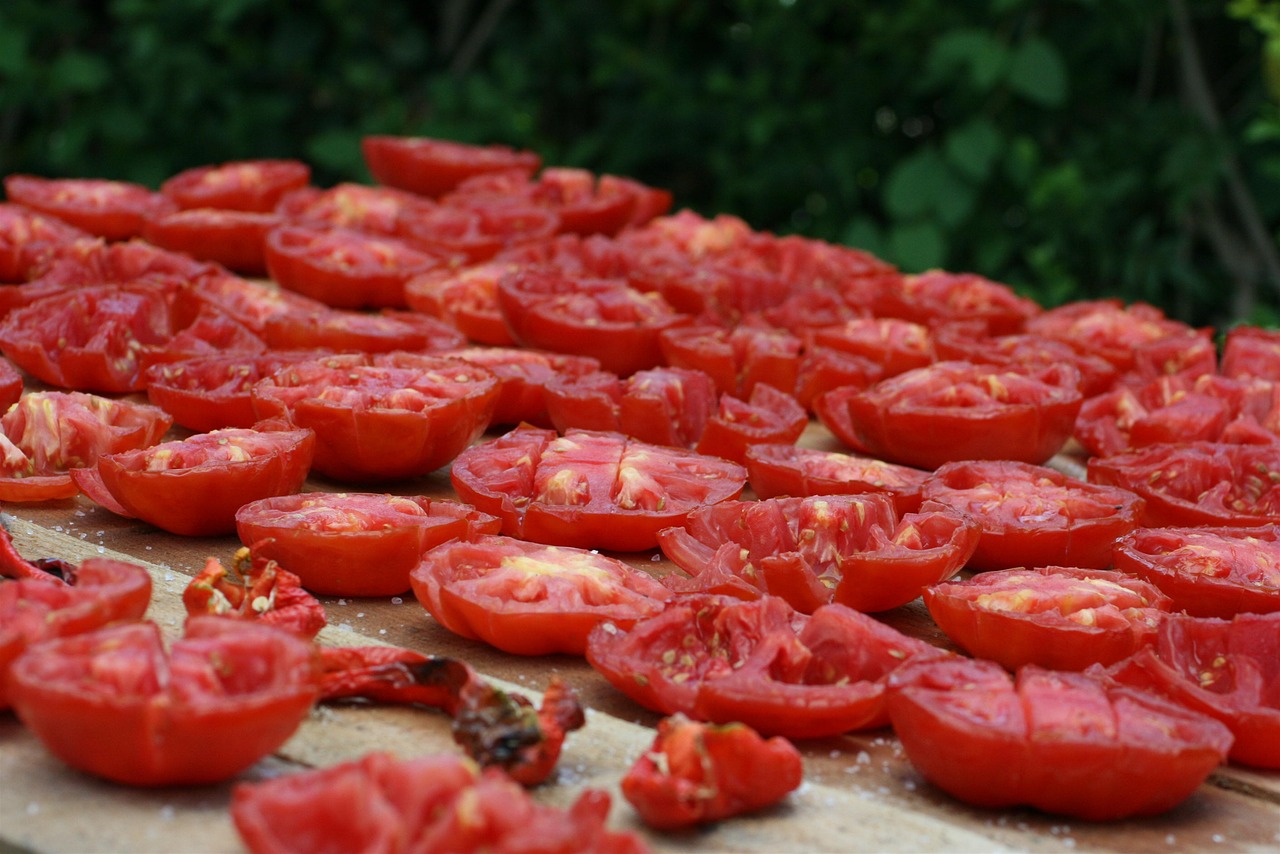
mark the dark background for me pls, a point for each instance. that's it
(1072, 149)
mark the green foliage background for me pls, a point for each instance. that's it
(1072, 148)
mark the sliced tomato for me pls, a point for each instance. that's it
(895, 345)
(1108, 328)
(961, 342)
(374, 210)
(587, 489)
(25, 234)
(523, 377)
(193, 487)
(823, 369)
(1035, 516)
(477, 232)
(241, 185)
(11, 384)
(736, 359)
(584, 202)
(938, 296)
(768, 416)
(256, 589)
(224, 696)
(1251, 351)
(466, 298)
(355, 544)
(340, 329)
(530, 599)
(662, 406)
(1061, 742)
(775, 470)
(1208, 572)
(250, 302)
(432, 167)
(382, 416)
(231, 238)
(114, 210)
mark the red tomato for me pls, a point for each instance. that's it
(1064, 743)
(523, 377)
(343, 268)
(1251, 351)
(737, 359)
(778, 470)
(961, 342)
(25, 234)
(255, 589)
(1208, 572)
(769, 416)
(376, 210)
(242, 185)
(432, 167)
(466, 298)
(385, 416)
(46, 434)
(339, 329)
(477, 233)
(1199, 483)
(204, 393)
(530, 599)
(696, 773)
(1062, 618)
(584, 202)
(895, 345)
(961, 410)
(1227, 669)
(223, 697)
(720, 659)
(854, 548)
(1035, 516)
(823, 369)
(1107, 328)
(231, 238)
(355, 544)
(936, 296)
(114, 210)
(428, 803)
(10, 384)
(194, 486)
(662, 406)
(601, 318)
(589, 490)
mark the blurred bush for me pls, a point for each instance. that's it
(1073, 148)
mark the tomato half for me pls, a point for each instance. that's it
(11, 384)
(1208, 572)
(960, 342)
(231, 238)
(1198, 483)
(662, 406)
(530, 599)
(1251, 351)
(26, 233)
(466, 298)
(768, 416)
(1062, 742)
(587, 489)
(355, 544)
(737, 359)
(938, 296)
(1035, 516)
(779, 470)
(895, 345)
(1062, 618)
(114, 210)
(242, 185)
(1107, 328)
(432, 167)
(222, 697)
(384, 416)
(366, 332)
(193, 487)
(523, 377)
(961, 410)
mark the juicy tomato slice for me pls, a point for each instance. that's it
(1107, 328)
(382, 416)
(243, 185)
(358, 543)
(523, 377)
(587, 489)
(585, 203)
(477, 232)
(1227, 669)
(250, 302)
(775, 470)
(344, 268)
(255, 589)
(231, 238)
(222, 697)
(1198, 483)
(339, 329)
(737, 359)
(937, 296)
(823, 369)
(662, 406)
(466, 298)
(696, 773)
(11, 384)
(443, 803)
(720, 659)
(375, 210)
(1208, 572)
(853, 548)
(433, 167)
(895, 345)
(961, 342)
(768, 416)
(601, 318)
(961, 410)
(1061, 742)
(1062, 618)
(1251, 351)
(1035, 516)
(25, 234)
(193, 487)
(114, 210)
(530, 599)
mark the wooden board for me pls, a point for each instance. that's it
(860, 793)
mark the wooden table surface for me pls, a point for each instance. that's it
(859, 794)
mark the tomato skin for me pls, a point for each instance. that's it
(662, 406)
(1035, 516)
(937, 296)
(24, 235)
(342, 330)
(529, 599)
(383, 416)
(114, 210)
(1251, 351)
(224, 696)
(961, 410)
(231, 238)
(241, 185)
(466, 298)
(433, 167)
(1064, 743)
(1198, 483)
(11, 384)
(1062, 618)
(523, 377)
(1207, 571)
(769, 416)
(355, 544)
(193, 487)
(737, 359)
(708, 773)
(204, 393)
(1107, 328)
(589, 489)
(776, 470)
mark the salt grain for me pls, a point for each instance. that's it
(396, 600)
(33, 808)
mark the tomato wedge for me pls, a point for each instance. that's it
(241, 185)
(357, 543)
(231, 238)
(767, 416)
(663, 406)
(25, 233)
(365, 332)
(222, 697)
(530, 599)
(588, 489)
(114, 210)
(523, 378)
(432, 167)
(780, 470)
(466, 298)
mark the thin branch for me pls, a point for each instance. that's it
(475, 40)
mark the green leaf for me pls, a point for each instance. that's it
(78, 72)
(974, 147)
(911, 188)
(967, 49)
(917, 246)
(864, 233)
(13, 52)
(1037, 72)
